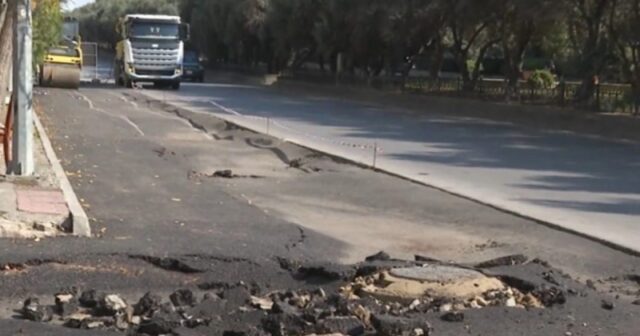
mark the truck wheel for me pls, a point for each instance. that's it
(128, 83)
(175, 85)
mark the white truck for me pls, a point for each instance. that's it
(151, 49)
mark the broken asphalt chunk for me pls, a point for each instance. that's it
(380, 256)
(147, 304)
(608, 305)
(66, 304)
(511, 260)
(183, 298)
(453, 316)
(111, 305)
(161, 322)
(90, 298)
(388, 325)
(34, 311)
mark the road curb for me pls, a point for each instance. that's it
(625, 249)
(77, 216)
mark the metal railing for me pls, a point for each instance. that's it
(607, 97)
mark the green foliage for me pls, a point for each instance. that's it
(542, 79)
(47, 26)
(99, 19)
(584, 38)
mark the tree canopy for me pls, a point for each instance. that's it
(581, 39)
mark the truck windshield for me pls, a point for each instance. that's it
(155, 29)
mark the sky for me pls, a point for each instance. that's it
(77, 3)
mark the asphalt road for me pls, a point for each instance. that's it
(162, 222)
(582, 184)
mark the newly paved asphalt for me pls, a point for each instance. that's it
(583, 184)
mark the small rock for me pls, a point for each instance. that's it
(121, 322)
(446, 307)
(550, 296)
(453, 317)
(90, 298)
(92, 324)
(160, 323)
(320, 293)
(459, 307)
(135, 320)
(66, 304)
(473, 304)
(261, 303)
(388, 325)
(481, 301)
(414, 304)
(111, 305)
(636, 302)
(147, 304)
(608, 305)
(380, 256)
(345, 325)
(529, 300)
(39, 227)
(33, 311)
(183, 298)
(363, 314)
(511, 302)
(417, 332)
(75, 320)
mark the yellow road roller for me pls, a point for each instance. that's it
(62, 66)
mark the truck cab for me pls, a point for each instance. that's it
(151, 49)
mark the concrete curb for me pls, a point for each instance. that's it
(78, 217)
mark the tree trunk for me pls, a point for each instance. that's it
(461, 61)
(437, 58)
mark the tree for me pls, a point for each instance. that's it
(519, 23)
(469, 24)
(47, 27)
(588, 21)
(625, 32)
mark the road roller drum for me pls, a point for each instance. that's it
(60, 75)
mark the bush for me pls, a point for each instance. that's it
(542, 79)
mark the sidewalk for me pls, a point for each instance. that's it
(33, 207)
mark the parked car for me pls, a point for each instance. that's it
(193, 68)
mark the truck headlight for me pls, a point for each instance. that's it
(178, 71)
(130, 68)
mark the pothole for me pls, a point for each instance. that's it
(435, 287)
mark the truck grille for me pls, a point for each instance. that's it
(143, 72)
(155, 56)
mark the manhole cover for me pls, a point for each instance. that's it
(436, 273)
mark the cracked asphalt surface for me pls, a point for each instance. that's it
(145, 175)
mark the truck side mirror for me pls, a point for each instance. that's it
(185, 32)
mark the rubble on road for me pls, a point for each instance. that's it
(380, 296)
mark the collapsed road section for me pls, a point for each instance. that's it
(379, 296)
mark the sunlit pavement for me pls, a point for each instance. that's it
(582, 184)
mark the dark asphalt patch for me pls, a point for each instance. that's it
(335, 304)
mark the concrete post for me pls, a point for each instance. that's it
(23, 159)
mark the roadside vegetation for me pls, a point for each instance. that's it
(589, 41)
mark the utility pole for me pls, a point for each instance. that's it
(23, 160)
